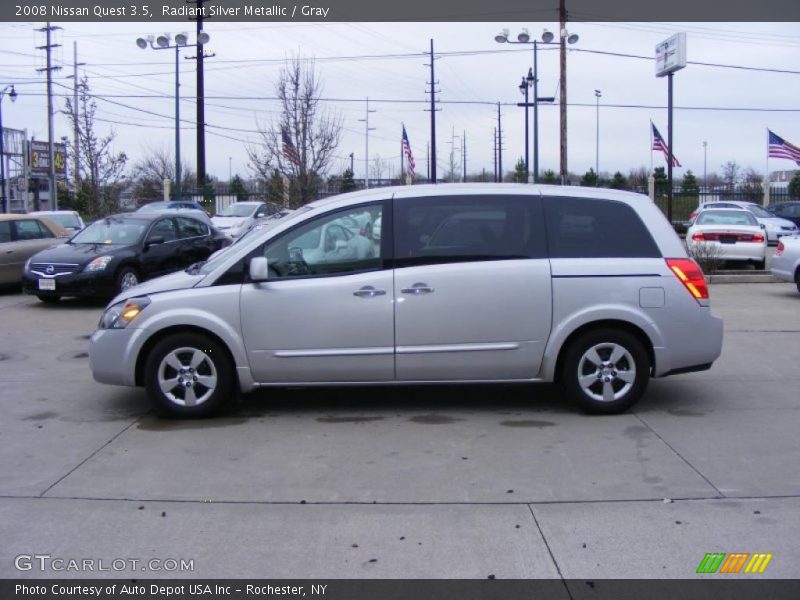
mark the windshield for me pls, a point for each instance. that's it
(261, 226)
(111, 231)
(65, 220)
(726, 217)
(238, 210)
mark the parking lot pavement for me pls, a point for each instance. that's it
(477, 480)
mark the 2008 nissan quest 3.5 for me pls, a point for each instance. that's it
(422, 284)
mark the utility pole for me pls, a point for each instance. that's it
(76, 114)
(48, 47)
(464, 155)
(433, 91)
(499, 146)
(202, 38)
(494, 153)
(367, 129)
(562, 17)
(428, 160)
(705, 165)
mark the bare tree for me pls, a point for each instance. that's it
(637, 178)
(150, 172)
(101, 170)
(731, 174)
(378, 167)
(299, 144)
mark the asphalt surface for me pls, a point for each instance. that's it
(417, 482)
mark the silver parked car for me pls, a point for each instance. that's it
(238, 218)
(786, 260)
(775, 227)
(466, 283)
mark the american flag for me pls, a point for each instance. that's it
(409, 155)
(660, 144)
(289, 151)
(780, 148)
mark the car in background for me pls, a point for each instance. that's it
(117, 252)
(169, 204)
(22, 236)
(786, 210)
(731, 234)
(68, 219)
(775, 227)
(786, 260)
(238, 218)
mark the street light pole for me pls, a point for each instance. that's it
(524, 38)
(523, 88)
(12, 93)
(597, 94)
(162, 42)
(705, 165)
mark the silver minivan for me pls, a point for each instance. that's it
(466, 283)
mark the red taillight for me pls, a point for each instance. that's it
(779, 249)
(758, 238)
(698, 237)
(690, 275)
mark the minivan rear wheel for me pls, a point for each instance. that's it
(606, 371)
(189, 375)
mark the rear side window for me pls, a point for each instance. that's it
(32, 230)
(591, 228)
(190, 228)
(469, 228)
(5, 231)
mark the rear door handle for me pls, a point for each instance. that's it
(418, 289)
(369, 292)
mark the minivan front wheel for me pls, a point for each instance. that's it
(606, 371)
(189, 375)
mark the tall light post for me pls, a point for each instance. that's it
(526, 83)
(524, 38)
(597, 95)
(12, 93)
(705, 165)
(162, 42)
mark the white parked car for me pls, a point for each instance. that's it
(731, 234)
(239, 217)
(775, 227)
(68, 219)
(786, 260)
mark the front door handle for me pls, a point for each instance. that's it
(418, 289)
(369, 292)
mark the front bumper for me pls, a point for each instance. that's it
(112, 355)
(82, 284)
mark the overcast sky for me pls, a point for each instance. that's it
(250, 55)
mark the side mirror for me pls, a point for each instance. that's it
(153, 241)
(259, 269)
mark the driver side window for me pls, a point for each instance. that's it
(333, 244)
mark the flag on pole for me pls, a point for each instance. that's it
(660, 144)
(777, 147)
(289, 151)
(409, 155)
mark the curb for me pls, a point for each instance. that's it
(746, 277)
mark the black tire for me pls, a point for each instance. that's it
(125, 278)
(215, 363)
(624, 392)
(760, 265)
(48, 299)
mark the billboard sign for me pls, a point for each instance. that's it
(40, 159)
(671, 55)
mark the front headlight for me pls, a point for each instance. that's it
(98, 264)
(120, 315)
